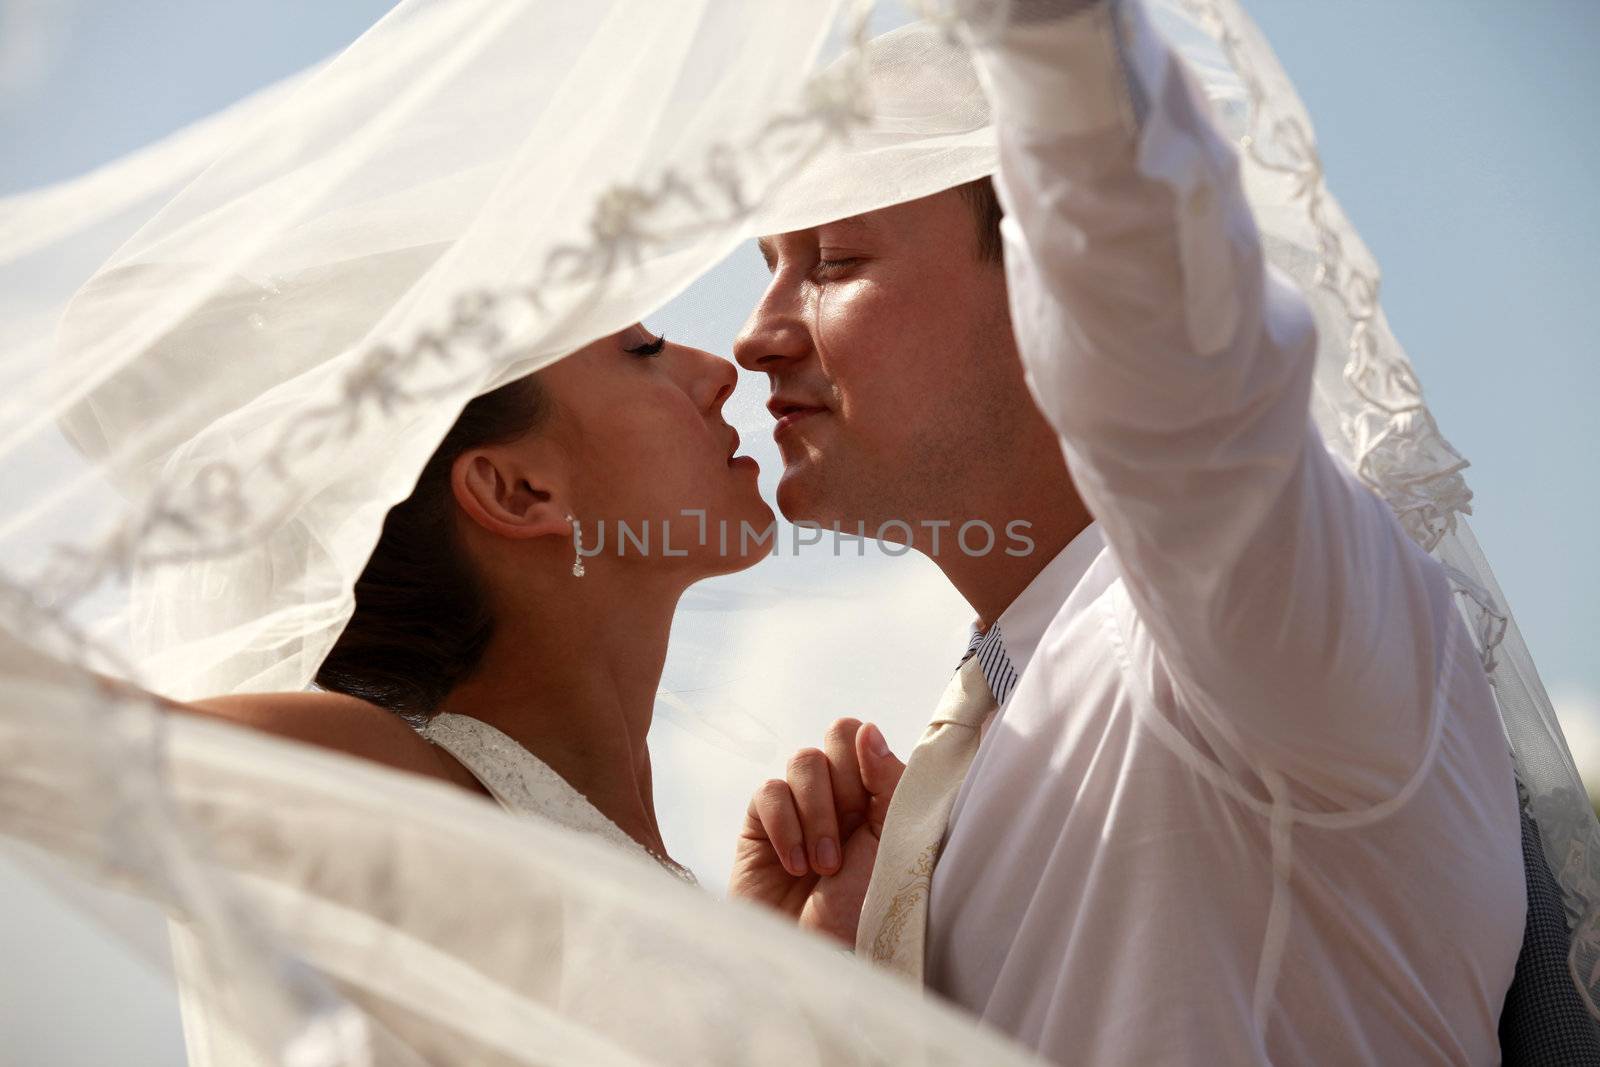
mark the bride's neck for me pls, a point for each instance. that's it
(573, 679)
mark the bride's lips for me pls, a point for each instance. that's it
(737, 461)
(790, 412)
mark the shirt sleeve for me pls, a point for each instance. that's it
(1291, 612)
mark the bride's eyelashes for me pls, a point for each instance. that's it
(649, 348)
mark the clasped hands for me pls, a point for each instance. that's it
(809, 839)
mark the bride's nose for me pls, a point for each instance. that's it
(713, 382)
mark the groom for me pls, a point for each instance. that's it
(1221, 779)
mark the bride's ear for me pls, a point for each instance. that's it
(502, 497)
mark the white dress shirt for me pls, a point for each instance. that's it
(1249, 800)
(1006, 647)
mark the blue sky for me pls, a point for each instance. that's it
(1458, 135)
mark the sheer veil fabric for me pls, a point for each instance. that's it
(219, 378)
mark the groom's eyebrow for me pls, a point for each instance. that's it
(769, 248)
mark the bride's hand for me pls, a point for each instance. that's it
(789, 854)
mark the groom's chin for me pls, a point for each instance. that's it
(802, 496)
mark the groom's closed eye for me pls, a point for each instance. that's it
(827, 269)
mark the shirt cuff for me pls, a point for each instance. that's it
(1089, 69)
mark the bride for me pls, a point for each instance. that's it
(485, 649)
(495, 649)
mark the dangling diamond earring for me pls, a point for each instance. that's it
(577, 547)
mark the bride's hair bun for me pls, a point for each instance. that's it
(421, 622)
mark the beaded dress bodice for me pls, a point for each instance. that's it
(525, 784)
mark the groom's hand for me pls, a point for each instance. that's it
(810, 838)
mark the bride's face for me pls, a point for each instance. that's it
(639, 420)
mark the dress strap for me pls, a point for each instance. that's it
(524, 784)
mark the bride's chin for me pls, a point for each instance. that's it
(750, 536)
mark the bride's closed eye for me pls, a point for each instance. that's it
(649, 348)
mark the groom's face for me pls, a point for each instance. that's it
(893, 373)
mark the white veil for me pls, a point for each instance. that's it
(221, 375)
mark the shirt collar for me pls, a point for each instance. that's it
(1006, 648)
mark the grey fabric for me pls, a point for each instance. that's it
(1544, 1022)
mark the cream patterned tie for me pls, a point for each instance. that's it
(894, 918)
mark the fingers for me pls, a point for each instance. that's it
(849, 792)
(772, 808)
(880, 773)
(826, 794)
(811, 782)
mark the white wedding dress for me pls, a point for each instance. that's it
(527, 786)
(519, 781)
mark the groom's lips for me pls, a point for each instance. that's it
(789, 412)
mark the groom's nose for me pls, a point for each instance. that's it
(775, 335)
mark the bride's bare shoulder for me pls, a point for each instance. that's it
(332, 720)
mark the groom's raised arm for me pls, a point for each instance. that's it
(1298, 624)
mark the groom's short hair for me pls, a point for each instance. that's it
(986, 215)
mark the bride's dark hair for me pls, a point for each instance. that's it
(421, 622)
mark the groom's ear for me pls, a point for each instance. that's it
(498, 492)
